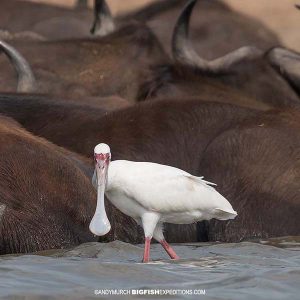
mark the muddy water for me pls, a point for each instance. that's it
(267, 269)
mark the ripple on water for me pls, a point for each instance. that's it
(266, 269)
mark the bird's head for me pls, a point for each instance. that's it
(102, 158)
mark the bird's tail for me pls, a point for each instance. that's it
(224, 214)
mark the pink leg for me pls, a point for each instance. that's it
(169, 249)
(147, 250)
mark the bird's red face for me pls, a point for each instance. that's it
(102, 161)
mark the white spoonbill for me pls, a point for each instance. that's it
(153, 194)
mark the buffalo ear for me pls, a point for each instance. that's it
(287, 64)
(104, 23)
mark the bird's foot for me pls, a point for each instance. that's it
(169, 250)
(175, 257)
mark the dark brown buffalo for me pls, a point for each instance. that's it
(46, 201)
(79, 127)
(247, 71)
(49, 21)
(257, 166)
(62, 117)
(89, 67)
(27, 83)
(215, 29)
(189, 135)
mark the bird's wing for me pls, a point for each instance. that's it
(200, 180)
(167, 190)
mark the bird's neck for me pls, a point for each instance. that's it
(112, 173)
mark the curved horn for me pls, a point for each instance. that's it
(184, 53)
(103, 21)
(26, 80)
(287, 63)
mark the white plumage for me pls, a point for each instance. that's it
(153, 194)
(165, 190)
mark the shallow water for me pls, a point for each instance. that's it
(267, 269)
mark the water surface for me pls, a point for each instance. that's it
(267, 269)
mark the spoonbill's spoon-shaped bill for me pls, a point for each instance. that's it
(100, 224)
(152, 194)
